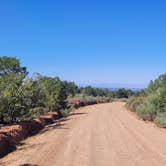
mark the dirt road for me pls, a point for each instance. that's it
(98, 135)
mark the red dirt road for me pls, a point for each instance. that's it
(98, 135)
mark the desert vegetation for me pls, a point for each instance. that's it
(24, 98)
(150, 104)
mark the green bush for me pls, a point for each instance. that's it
(146, 111)
(65, 112)
(160, 120)
(23, 98)
(87, 100)
(133, 102)
(150, 104)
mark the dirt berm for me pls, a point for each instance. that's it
(10, 136)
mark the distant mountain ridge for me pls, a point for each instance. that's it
(114, 87)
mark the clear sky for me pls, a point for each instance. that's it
(88, 41)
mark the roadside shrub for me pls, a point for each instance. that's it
(149, 109)
(65, 112)
(161, 100)
(83, 100)
(133, 102)
(150, 104)
(122, 99)
(33, 113)
(146, 111)
(160, 120)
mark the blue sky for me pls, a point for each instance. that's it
(89, 42)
